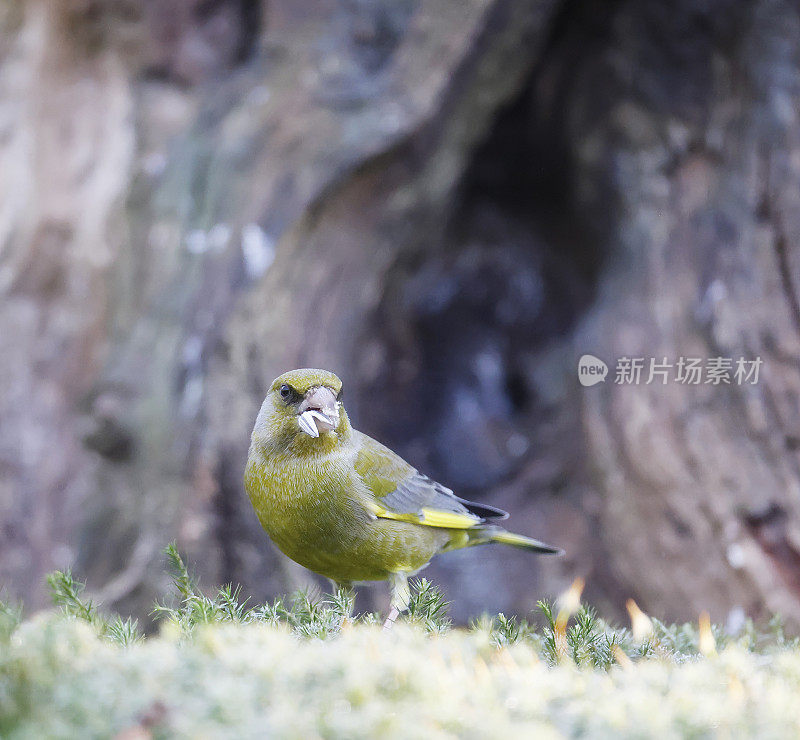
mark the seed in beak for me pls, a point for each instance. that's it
(313, 422)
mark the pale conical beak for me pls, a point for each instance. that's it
(319, 412)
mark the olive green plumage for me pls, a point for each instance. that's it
(343, 505)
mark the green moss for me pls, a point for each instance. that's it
(60, 678)
(308, 667)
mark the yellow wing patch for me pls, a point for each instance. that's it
(382, 513)
(428, 517)
(448, 519)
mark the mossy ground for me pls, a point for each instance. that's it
(309, 668)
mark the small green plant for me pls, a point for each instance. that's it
(191, 607)
(10, 617)
(306, 614)
(66, 593)
(428, 607)
(507, 630)
(588, 641)
(504, 631)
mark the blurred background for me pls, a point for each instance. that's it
(446, 202)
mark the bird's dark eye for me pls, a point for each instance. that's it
(288, 393)
(340, 395)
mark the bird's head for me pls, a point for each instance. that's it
(302, 406)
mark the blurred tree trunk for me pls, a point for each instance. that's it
(446, 203)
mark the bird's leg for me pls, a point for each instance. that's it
(401, 595)
(391, 618)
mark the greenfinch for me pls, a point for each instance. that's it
(346, 507)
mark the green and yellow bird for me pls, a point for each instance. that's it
(346, 507)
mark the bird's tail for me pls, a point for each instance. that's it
(483, 535)
(519, 540)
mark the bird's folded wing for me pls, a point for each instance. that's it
(401, 492)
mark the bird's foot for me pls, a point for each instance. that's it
(394, 612)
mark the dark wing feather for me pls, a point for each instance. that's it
(419, 490)
(483, 510)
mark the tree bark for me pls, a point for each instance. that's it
(445, 203)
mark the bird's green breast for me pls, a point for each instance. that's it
(313, 508)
